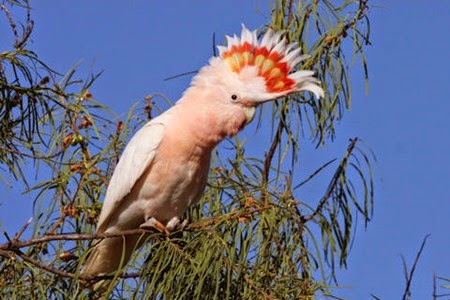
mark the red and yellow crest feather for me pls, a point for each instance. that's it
(274, 59)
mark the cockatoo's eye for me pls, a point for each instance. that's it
(234, 97)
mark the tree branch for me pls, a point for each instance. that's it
(62, 273)
(14, 245)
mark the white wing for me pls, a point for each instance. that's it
(135, 159)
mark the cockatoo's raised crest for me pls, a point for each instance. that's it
(273, 58)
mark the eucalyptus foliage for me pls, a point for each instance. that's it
(252, 236)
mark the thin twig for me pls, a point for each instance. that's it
(409, 276)
(276, 140)
(434, 286)
(7, 254)
(19, 234)
(290, 14)
(72, 275)
(249, 280)
(257, 289)
(180, 75)
(361, 13)
(34, 156)
(334, 180)
(28, 28)
(236, 215)
(7, 236)
(12, 24)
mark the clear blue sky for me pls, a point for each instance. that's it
(404, 118)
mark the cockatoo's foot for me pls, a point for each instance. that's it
(152, 224)
(175, 224)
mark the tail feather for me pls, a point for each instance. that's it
(108, 256)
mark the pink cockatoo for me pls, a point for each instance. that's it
(164, 168)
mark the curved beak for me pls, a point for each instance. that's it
(249, 112)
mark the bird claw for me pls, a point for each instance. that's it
(175, 224)
(152, 224)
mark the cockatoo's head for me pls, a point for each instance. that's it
(248, 72)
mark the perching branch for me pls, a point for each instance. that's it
(14, 245)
